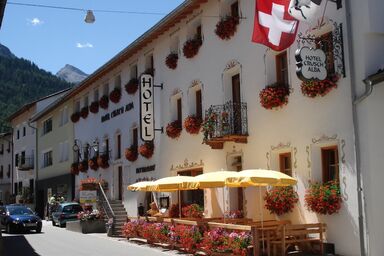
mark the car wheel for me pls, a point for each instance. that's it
(9, 229)
(62, 225)
(53, 223)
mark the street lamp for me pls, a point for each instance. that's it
(76, 148)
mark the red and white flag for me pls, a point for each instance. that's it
(274, 27)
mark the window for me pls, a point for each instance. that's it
(96, 95)
(16, 188)
(47, 159)
(118, 144)
(17, 160)
(282, 69)
(47, 126)
(106, 89)
(77, 106)
(285, 163)
(330, 163)
(2, 149)
(1, 172)
(134, 72)
(118, 81)
(135, 137)
(149, 65)
(22, 158)
(18, 134)
(199, 106)
(64, 151)
(24, 131)
(325, 42)
(64, 116)
(86, 151)
(192, 196)
(86, 101)
(235, 9)
(179, 113)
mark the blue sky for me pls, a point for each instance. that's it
(52, 38)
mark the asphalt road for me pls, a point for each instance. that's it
(55, 241)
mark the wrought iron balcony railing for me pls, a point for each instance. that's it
(227, 122)
(25, 163)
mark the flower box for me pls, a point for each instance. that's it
(102, 161)
(74, 168)
(115, 95)
(75, 117)
(173, 129)
(226, 27)
(192, 124)
(280, 200)
(103, 102)
(146, 149)
(171, 60)
(192, 46)
(92, 163)
(131, 153)
(84, 112)
(83, 166)
(274, 96)
(94, 107)
(86, 227)
(313, 89)
(324, 198)
(132, 86)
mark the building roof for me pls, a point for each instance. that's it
(2, 9)
(5, 134)
(181, 12)
(31, 104)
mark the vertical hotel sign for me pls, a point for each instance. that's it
(147, 122)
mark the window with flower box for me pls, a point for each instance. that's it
(96, 95)
(282, 69)
(106, 89)
(118, 81)
(149, 65)
(135, 137)
(134, 71)
(285, 161)
(330, 163)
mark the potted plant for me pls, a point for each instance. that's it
(75, 117)
(192, 124)
(131, 153)
(324, 198)
(84, 112)
(89, 221)
(171, 60)
(192, 211)
(209, 124)
(146, 149)
(115, 95)
(103, 102)
(132, 86)
(173, 129)
(280, 200)
(83, 166)
(92, 163)
(226, 27)
(315, 88)
(92, 184)
(94, 107)
(192, 46)
(75, 168)
(102, 161)
(274, 96)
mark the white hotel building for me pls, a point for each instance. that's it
(313, 139)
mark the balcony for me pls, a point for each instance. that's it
(26, 163)
(228, 122)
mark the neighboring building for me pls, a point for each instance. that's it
(5, 167)
(54, 149)
(2, 10)
(24, 147)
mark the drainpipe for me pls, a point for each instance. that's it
(36, 160)
(369, 82)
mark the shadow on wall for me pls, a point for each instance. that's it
(16, 246)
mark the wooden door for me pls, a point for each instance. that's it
(120, 182)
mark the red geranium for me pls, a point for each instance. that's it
(84, 112)
(132, 86)
(146, 149)
(115, 95)
(324, 198)
(75, 169)
(75, 117)
(83, 166)
(280, 200)
(192, 46)
(102, 161)
(274, 96)
(131, 153)
(94, 108)
(192, 124)
(173, 129)
(188, 237)
(313, 89)
(103, 102)
(92, 163)
(192, 211)
(226, 27)
(171, 60)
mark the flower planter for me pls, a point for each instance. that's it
(86, 227)
(146, 149)
(171, 60)
(226, 27)
(192, 124)
(83, 166)
(84, 112)
(132, 86)
(102, 161)
(94, 108)
(75, 169)
(313, 89)
(280, 200)
(173, 130)
(274, 96)
(191, 47)
(115, 95)
(131, 153)
(92, 163)
(324, 199)
(75, 117)
(103, 103)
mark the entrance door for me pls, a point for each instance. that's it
(236, 100)
(120, 182)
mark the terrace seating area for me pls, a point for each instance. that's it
(219, 236)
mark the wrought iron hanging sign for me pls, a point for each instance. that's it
(311, 64)
(147, 120)
(304, 10)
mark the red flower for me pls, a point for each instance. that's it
(84, 112)
(325, 198)
(92, 163)
(132, 86)
(173, 129)
(94, 108)
(171, 60)
(280, 200)
(191, 47)
(103, 102)
(192, 124)
(115, 95)
(83, 166)
(131, 153)
(146, 149)
(75, 117)
(226, 27)
(313, 89)
(274, 96)
(102, 161)
(75, 169)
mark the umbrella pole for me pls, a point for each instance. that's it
(262, 219)
(179, 199)
(223, 205)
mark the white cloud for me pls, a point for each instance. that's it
(85, 45)
(35, 22)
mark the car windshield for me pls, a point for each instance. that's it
(19, 211)
(72, 208)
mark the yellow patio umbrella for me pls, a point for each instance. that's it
(214, 179)
(140, 186)
(260, 177)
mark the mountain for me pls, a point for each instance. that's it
(71, 74)
(22, 81)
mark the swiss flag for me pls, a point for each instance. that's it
(274, 27)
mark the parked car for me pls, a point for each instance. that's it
(66, 212)
(19, 218)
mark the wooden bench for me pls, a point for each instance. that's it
(297, 234)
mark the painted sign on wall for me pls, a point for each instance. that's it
(311, 64)
(147, 126)
(117, 112)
